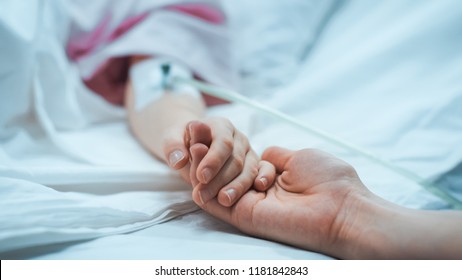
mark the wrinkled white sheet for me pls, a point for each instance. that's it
(69, 167)
(39, 215)
(385, 76)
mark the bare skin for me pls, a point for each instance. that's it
(255, 173)
(165, 128)
(318, 202)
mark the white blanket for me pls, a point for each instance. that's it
(384, 76)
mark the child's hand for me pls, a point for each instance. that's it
(229, 168)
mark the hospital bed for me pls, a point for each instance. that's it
(385, 76)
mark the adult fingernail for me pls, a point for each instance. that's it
(231, 194)
(206, 175)
(175, 157)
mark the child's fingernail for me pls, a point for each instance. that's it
(264, 181)
(190, 134)
(175, 157)
(231, 194)
(206, 175)
(203, 196)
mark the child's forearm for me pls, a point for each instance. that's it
(169, 114)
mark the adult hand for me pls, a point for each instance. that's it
(307, 206)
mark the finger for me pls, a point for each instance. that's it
(185, 173)
(221, 149)
(217, 210)
(278, 157)
(175, 150)
(265, 177)
(230, 170)
(198, 151)
(241, 214)
(233, 191)
(199, 132)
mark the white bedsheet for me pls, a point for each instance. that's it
(384, 76)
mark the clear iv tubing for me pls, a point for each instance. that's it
(240, 99)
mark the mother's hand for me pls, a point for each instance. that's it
(307, 206)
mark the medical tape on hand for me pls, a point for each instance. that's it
(148, 81)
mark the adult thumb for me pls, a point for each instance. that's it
(278, 157)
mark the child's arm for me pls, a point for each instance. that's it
(160, 125)
(162, 128)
